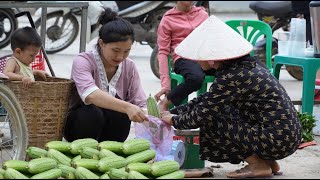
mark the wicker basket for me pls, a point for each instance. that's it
(45, 105)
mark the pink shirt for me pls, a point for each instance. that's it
(127, 85)
(174, 27)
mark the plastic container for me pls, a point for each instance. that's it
(309, 52)
(297, 40)
(283, 43)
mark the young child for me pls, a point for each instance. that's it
(25, 44)
(174, 27)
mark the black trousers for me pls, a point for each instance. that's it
(193, 75)
(90, 121)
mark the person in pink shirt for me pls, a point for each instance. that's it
(175, 26)
(108, 94)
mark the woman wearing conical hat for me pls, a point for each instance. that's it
(246, 115)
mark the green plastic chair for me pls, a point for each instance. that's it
(177, 79)
(252, 30)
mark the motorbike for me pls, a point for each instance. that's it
(278, 15)
(154, 63)
(63, 26)
(8, 24)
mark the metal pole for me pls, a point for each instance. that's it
(43, 38)
(83, 34)
(43, 26)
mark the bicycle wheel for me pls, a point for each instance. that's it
(13, 127)
(10, 24)
(61, 32)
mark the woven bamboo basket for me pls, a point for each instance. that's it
(45, 105)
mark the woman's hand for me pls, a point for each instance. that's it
(136, 114)
(164, 113)
(167, 117)
(160, 93)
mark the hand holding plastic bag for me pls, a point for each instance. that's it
(159, 134)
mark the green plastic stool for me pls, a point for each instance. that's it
(191, 160)
(310, 67)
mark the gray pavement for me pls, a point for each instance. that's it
(304, 163)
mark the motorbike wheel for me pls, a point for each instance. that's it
(155, 20)
(10, 24)
(61, 31)
(296, 72)
(154, 62)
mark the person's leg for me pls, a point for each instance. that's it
(84, 122)
(256, 167)
(275, 167)
(245, 145)
(117, 126)
(193, 75)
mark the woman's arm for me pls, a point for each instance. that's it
(82, 74)
(223, 91)
(186, 107)
(164, 43)
(104, 100)
(188, 116)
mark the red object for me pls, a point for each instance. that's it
(316, 91)
(38, 63)
(182, 138)
(306, 144)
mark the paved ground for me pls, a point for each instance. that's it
(303, 163)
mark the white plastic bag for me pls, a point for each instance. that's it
(159, 134)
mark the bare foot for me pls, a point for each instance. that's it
(274, 166)
(256, 167)
(251, 171)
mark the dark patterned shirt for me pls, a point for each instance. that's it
(246, 107)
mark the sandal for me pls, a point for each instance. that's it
(245, 172)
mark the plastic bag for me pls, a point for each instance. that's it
(159, 134)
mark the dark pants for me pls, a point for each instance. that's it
(90, 121)
(193, 75)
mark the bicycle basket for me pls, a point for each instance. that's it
(45, 105)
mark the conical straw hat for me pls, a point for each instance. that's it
(213, 40)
